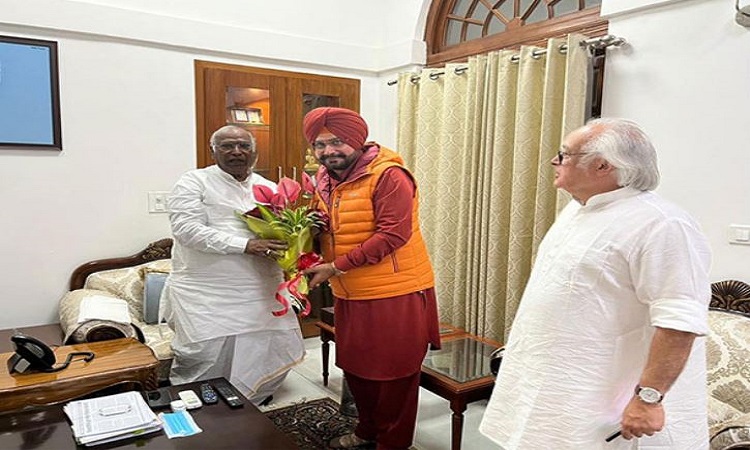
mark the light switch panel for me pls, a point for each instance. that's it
(739, 234)
(157, 202)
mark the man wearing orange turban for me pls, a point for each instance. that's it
(380, 274)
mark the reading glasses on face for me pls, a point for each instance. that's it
(229, 146)
(561, 155)
(335, 143)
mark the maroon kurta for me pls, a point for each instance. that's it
(386, 338)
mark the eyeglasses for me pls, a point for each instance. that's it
(229, 146)
(334, 142)
(561, 155)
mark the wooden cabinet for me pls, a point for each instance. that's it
(269, 103)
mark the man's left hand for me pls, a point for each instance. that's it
(320, 273)
(641, 418)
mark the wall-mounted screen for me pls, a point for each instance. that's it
(29, 94)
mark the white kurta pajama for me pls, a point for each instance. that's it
(217, 298)
(606, 274)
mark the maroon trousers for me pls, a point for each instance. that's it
(387, 410)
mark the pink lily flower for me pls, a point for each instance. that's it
(289, 189)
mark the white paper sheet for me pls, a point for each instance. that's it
(103, 308)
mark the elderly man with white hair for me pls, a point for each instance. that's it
(605, 350)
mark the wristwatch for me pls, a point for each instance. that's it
(648, 395)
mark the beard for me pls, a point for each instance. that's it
(339, 162)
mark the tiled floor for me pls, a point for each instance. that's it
(433, 420)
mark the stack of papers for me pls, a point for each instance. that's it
(111, 418)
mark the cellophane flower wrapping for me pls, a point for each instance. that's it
(286, 215)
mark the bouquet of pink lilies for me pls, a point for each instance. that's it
(286, 215)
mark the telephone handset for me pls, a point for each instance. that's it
(34, 355)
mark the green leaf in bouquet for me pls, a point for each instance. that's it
(306, 240)
(262, 229)
(267, 215)
(298, 243)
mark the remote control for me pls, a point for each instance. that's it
(227, 394)
(208, 394)
(190, 398)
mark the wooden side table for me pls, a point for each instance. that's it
(115, 361)
(460, 373)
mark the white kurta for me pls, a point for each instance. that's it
(606, 273)
(216, 290)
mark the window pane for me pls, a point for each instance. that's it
(480, 12)
(506, 9)
(461, 8)
(525, 5)
(453, 33)
(496, 26)
(539, 14)
(473, 32)
(590, 3)
(565, 7)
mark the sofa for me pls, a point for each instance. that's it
(136, 279)
(728, 366)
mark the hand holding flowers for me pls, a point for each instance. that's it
(286, 216)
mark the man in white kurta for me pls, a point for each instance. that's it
(619, 265)
(220, 293)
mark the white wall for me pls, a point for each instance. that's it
(686, 79)
(127, 104)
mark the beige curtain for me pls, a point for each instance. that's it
(479, 139)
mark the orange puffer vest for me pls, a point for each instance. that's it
(352, 221)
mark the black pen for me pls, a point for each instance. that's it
(612, 436)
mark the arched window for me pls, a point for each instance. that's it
(457, 29)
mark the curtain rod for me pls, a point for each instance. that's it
(593, 44)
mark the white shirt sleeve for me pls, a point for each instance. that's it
(188, 217)
(670, 273)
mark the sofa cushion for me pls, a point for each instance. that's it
(727, 353)
(127, 283)
(153, 285)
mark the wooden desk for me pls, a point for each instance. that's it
(115, 361)
(246, 428)
(459, 372)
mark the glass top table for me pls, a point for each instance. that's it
(463, 359)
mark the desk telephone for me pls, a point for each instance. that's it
(33, 355)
